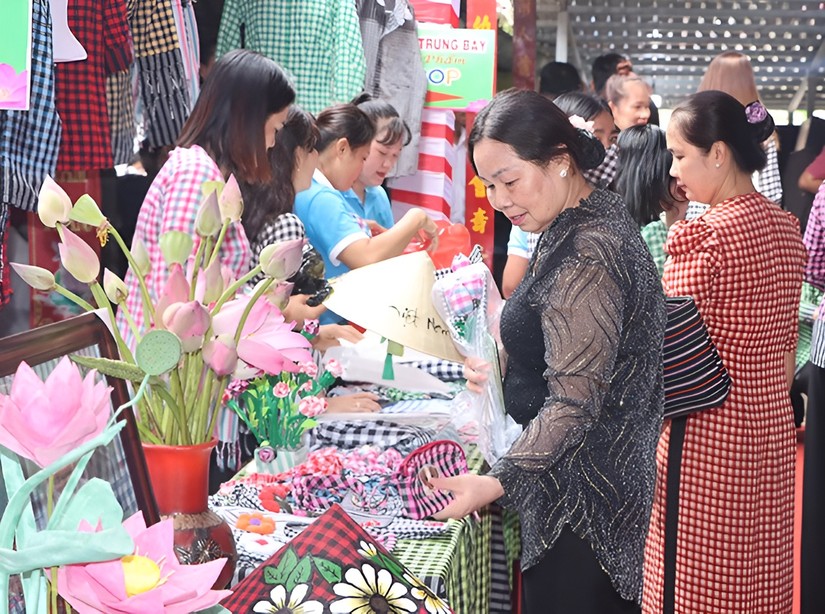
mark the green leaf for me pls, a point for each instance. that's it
(331, 572)
(113, 368)
(391, 565)
(288, 563)
(273, 576)
(301, 573)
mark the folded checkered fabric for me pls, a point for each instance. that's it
(347, 435)
(476, 255)
(335, 565)
(445, 370)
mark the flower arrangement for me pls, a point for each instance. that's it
(279, 409)
(220, 331)
(115, 565)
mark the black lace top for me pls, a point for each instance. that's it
(584, 333)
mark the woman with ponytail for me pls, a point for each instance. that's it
(742, 262)
(583, 338)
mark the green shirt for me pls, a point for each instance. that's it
(655, 234)
(317, 41)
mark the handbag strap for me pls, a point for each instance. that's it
(674, 471)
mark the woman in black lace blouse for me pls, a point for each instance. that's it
(583, 335)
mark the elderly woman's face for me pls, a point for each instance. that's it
(529, 195)
(634, 108)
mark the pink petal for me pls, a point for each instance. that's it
(261, 355)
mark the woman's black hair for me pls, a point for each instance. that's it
(344, 121)
(242, 90)
(536, 129)
(584, 105)
(712, 116)
(395, 130)
(263, 203)
(643, 179)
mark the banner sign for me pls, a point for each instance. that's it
(15, 54)
(460, 66)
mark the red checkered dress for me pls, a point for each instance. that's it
(742, 261)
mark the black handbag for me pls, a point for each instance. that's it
(694, 377)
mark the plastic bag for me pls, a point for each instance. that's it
(470, 304)
(453, 239)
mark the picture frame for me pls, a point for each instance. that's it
(121, 463)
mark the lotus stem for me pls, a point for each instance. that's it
(216, 250)
(229, 293)
(73, 297)
(144, 290)
(195, 265)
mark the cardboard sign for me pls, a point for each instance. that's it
(15, 55)
(460, 66)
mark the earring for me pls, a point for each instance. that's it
(563, 172)
(718, 165)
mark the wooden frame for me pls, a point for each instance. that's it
(54, 341)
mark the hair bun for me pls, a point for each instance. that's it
(591, 148)
(760, 121)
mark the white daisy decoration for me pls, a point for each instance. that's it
(369, 592)
(292, 603)
(432, 602)
(367, 550)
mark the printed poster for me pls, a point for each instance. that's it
(15, 54)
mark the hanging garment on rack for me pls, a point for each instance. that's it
(189, 45)
(121, 107)
(395, 72)
(317, 41)
(101, 27)
(5, 269)
(164, 97)
(29, 140)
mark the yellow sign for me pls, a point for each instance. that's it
(480, 220)
(478, 186)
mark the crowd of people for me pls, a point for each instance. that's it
(610, 215)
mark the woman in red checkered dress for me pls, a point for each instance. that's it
(742, 262)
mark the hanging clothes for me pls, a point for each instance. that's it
(164, 96)
(395, 72)
(121, 108)
(101, 27)
(189, 45)
(317, 41)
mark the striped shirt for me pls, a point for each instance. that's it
(815, 270)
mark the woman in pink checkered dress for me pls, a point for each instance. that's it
(742, 262)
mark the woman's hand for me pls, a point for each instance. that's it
(353, 403)
(476, 372)
(471, 492)
(330, 335)
(430, 232)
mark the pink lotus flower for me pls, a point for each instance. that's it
(13, 87)
(208, 222)
(176, 290)
(77, 257)
(267, 342)
(37, 277)
(282, 259)
(189, 321)
(53, 204)
(42, 421)
(230, 201)
(150, 580)
(281, 390)
(312, 406)
(278, 294)
(221, 355)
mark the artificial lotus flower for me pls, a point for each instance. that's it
(176, 247)
(77, 257)
(53, 204)
(189, 321)
(221, 355)
(141, 257)
(149, 580)
(208, 221)
(282, 259)
(35, 276)
(176, 290)
(266, 341)
(42, 421)
(114, 287)
(13, 87)
(230, 201)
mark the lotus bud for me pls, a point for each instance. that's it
(189, 321)
(37, 277)
(141, 257)
(176, 247)
(53, 204)
(86, 211)
(282, 259)
(230, 201)
(78, 258)
(221, 354)
(278, 294)
(210, 284)
(114, 287)
(228, 276)
(208, 222)
(176, 290)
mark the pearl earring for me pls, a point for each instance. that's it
(563, 172)
(718, 165)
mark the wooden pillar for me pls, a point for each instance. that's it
(524, 44)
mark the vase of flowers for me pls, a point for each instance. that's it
(200, 331)
(279, 410)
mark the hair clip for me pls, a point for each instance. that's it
(756, 112)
